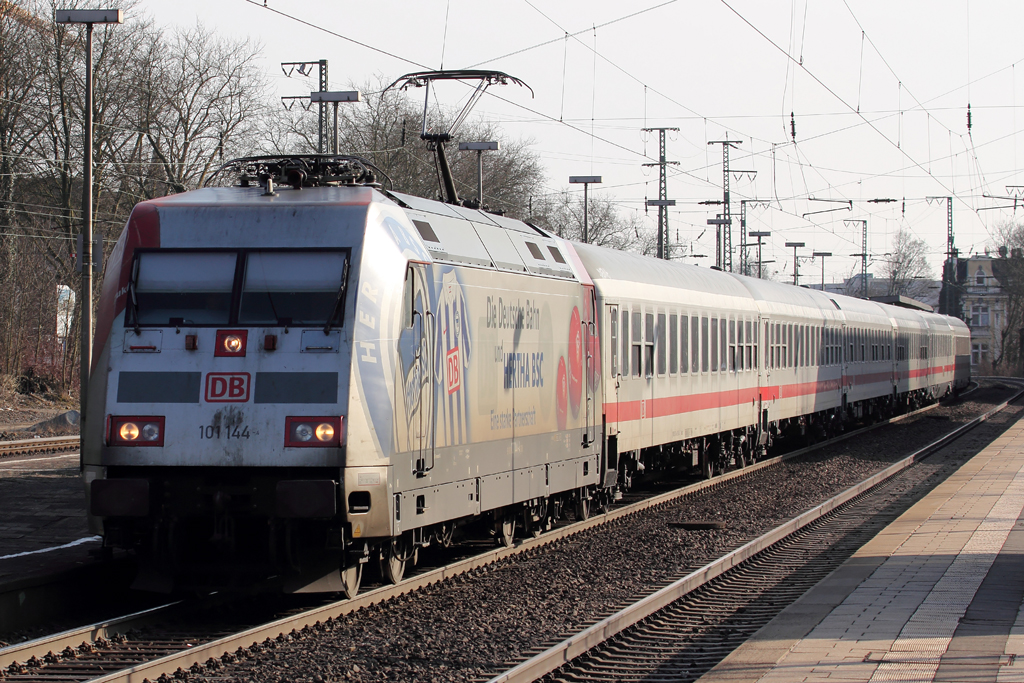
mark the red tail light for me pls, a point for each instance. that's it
(313, 432)
(135, 430)
(230, 343)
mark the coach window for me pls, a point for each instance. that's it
(798, 346)
(723, 345)
(649, 356)
(694, 345)
(638, 333)
(684, 344)
(776, 345)
(714, 345)
(661, 345)
(786, 344)
(625, 342)
(795, 345)
(704, 346)
(673, 344)
(749, 344)
(613, 327)
(739, 345)
(732, 345)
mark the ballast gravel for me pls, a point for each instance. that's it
(473, 626)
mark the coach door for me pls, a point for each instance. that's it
(592, 375)
(763, 365)
(846, 357)
(416, 349)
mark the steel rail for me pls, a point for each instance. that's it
(54, 443)
(579, 644)
(198, 654)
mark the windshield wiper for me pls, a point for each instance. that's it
(339, 300)
(134, 299)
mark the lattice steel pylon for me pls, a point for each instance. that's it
(662, 202)
(323, 135)
(723, 242)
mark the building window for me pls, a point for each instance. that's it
(979, 315)
(979, 353)
(980, 279)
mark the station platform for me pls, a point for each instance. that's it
(43, 526)
(936, 596)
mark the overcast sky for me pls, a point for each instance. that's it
(879, 92)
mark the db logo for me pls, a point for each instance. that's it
(227, 387)
(453, 370)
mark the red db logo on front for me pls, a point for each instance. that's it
(227, 387)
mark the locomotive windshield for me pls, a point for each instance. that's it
(300, 288)
(195, 287)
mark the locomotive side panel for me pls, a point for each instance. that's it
(507, 377)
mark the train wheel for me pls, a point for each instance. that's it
(582, 507)
(351, 578)
(394, 557)
(505, 530)
(707, 467)
(537, 519)
(741, 457)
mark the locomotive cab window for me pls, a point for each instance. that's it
(304, 288)
(191, 288)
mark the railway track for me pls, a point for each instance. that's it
(133, 648)
(54, 444)
(680, 631)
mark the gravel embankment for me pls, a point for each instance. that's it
(469, 627)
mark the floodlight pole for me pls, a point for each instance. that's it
(822, 254)
(759, 235)
(334, 97)
(796, 261)
(479, 148)
(87, 17)
(585, 180)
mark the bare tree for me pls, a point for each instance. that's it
(204, 97)
(906, 271)
(562, 214)
(1009, 238)
(385, 128)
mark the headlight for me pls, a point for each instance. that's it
(313, 432)
(135, 430)
(230, 343)
(324, 431)
(304, 432)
